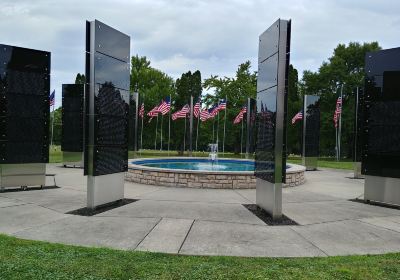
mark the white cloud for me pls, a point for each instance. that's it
(212, 36)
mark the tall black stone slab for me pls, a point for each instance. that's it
(272, 84)
(133, 122)
(311, 127)
(72, 140)
(358, 130)
(251, 126)
(381, 127)
(24, 115)
(107, 111)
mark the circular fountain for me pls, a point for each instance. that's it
(195, 172)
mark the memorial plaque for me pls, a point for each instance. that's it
(24, 107)
(311, 126)
(381, 110)
(272, 87)
(107, 100)
(72, 117)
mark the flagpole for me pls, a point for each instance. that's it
(198, 124)
(217, 131)
(191, 126)
(162, 121)
(223, 142)
(184, 138)
(52, 122)
(213, 129)
(340, 121)
(241, 140)
(169, 122)
(155, 139)
(141, 131)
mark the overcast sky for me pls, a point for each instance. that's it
(212, 36)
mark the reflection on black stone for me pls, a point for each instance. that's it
(72, 117)
(111, 130)
(312, 126)
(381, 126)
(24, 106)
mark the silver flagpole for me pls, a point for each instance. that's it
(213, 129)
(217, 132)
(198, 124)
(169, 121)
(336, 147)
(155, 139)
(241, 140)
(223, 142)
(52, 122)
(162, 121)
(191, 126)
(340, 123)
(184, 138)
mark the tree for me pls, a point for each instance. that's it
(80, 79)
(345, 67)
(153, 85)
(236, 90)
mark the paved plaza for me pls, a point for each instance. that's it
(207, 221)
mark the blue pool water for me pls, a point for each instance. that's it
(199, 164)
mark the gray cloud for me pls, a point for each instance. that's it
(212, 36)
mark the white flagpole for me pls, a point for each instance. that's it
(213, 129)
(340, 121)
(162, 121)
(169, 121)
(52, 122)
(184, 137)
(217, 131)
(241, 140)
(198, 124)
(155, 139)
(223, 142)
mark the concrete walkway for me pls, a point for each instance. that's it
(207, 222)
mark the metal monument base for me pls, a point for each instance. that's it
(105, 189)
(311, 163)
(74, 159)
(357, 170)
(269, 197)
(382, 189)
(22, 175)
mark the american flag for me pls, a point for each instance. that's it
(52, 98)
(239, 117)
(141, 111)
(196, 109)
(212, 112)
(204, 115)
(338, 111)
(298, 116)
(165, 106)
(182, 113)
(221, 105)
(153, 113)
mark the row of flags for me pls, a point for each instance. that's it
(198, 112)
(336, 114)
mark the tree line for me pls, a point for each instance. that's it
(345, 67)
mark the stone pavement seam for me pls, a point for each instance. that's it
(22, 203)
(45, 224)
(242, 196)
(379, 227)
(192, 201)
(137, 245)
(187, 234)
(309, 241)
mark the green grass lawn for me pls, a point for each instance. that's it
(23, 259)
(56, 156)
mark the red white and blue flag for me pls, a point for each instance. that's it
(182, 113)
(165, 106)
(221, 105)
(338, 111)
(52, 98)
(153, 113)
(239, 117)
(212, 112)
(141, 111)
(204, 115)
(196, 109)
(298, 116)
